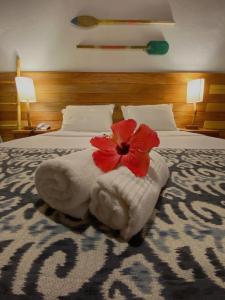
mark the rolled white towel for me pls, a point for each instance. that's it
(65, 182)
(125, 202)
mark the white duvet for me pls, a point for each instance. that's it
(81, 140)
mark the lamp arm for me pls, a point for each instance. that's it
(18, 72)
(195, 113)
(28, 114)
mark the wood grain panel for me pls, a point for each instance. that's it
(35, 115)
(215, 116)
(214, 125)
(8, 97)
(57, 106)
(109, 98)
(55, 90)
(217, 89)
(104, 77)
(212, 116)
(116, 88)
(215, 99)
(7, 78)
(215, 107)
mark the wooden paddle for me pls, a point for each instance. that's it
(89, 21)
(153, 47)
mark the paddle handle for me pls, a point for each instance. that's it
(153, 47)
(132, 22)
(109, 47)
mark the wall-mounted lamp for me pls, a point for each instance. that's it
(195, 93)
(26, 93)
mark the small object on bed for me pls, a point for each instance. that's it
(90, 21)
(132, 190)
(65, 182)
(128, 146)
(125, 202)
(119, 199)
(152, 48)
(124, 197)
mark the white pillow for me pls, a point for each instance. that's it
(87, 117)
(157, 117)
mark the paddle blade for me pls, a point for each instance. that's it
(84, 21)
(157, 47)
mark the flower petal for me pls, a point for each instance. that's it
(137, 162)
(144, 139)
(106, 160)
(103, 143)
(123, 130)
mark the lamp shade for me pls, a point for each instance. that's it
(25, 89)
(195, 90)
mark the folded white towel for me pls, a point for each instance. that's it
(125, 202)
(65, 182)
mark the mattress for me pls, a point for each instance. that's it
(180, 254)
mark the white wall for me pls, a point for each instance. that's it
(41, 33)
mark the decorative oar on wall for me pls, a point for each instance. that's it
(89, 21)
(152, 48)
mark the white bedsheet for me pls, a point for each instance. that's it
(80, 140)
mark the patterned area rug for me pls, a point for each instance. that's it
(47, 255)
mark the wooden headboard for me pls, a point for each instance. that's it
(55, 90)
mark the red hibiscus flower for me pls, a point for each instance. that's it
(126, 147)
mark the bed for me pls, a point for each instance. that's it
(47, 255)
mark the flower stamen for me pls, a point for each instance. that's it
(123, 149)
